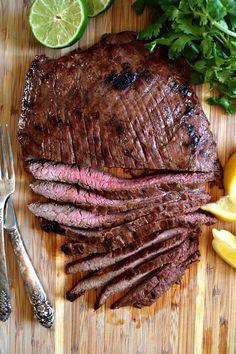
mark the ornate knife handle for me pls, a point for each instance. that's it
(5, 303)
(43, 310)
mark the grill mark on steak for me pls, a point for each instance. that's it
(134, 275)
(153, 286)
(99, 261)
(121, 81)
(147, 107)
(194, 137)
(69, 215)
(136, 135)
(184, 90)
(141, 119)
(103, 276)
(168, 120)
(27, 98)
(165, 128)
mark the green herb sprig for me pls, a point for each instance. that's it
(203, 31)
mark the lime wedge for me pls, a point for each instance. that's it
(57, 23)
(95, 7)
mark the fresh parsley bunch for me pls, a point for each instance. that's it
(203, 31)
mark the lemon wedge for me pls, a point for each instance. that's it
(223, 209)
(224, 244)
(230, 176)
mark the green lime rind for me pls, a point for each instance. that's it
(96, 7)
(56, 24)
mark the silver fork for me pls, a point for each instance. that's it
(7, 187)
(43, 311)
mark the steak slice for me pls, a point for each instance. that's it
(165, 282)
(155, 285)
(130, 233)
(99, 261)
(152, 119)
(74, 248)
(104, 275)
(69, 215)
(132, 276)
(114, 187)
(68, 193)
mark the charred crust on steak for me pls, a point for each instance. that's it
(189, 111)
(184, 90)
(121, 81)
(51, 227)
(125, 66)
(195, 138)
(147, 75)
(127, 152)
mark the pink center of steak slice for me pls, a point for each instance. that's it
(64, 192)
(69, 215)
(100, 181)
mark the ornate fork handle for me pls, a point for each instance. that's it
(43, 310)
(5, 303)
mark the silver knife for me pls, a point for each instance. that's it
(43, 310)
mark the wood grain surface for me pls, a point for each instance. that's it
(196, 317)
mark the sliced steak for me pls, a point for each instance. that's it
(63, 192)
(69, 215)
(130, 233)
(114, 187)
(99, 261)
(155, 285)
(132, 276)
(152, 119)
(74, 248)
(166, 281)
(103, 276)
(95, 249)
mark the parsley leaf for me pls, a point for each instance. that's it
(178, 45)
(153, 30)
(139, 6)
(202, 31)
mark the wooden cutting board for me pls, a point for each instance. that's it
(196, 317)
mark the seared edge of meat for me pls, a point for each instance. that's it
(132, 276)
(156, 284)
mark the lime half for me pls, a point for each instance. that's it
(57, 23)
(95, 7)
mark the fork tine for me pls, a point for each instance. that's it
(4, 171)
(11, 161)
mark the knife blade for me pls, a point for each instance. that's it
(42, 308)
